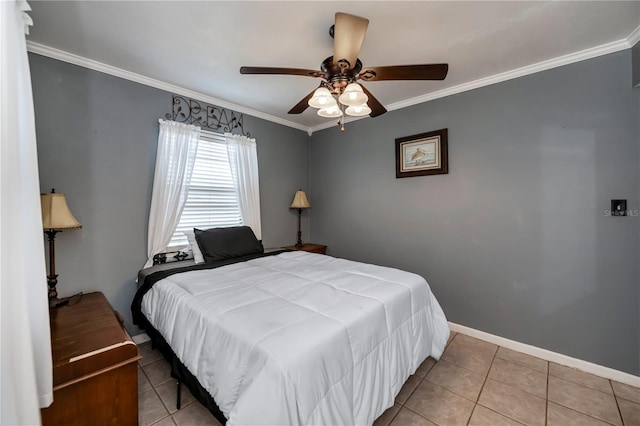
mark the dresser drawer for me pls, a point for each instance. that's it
(95, 375)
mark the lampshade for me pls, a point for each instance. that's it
(322, 98)
(300, 201)
(353, 95)
(55, 212)
(358, 110)
(330, 112)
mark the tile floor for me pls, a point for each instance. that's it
(475, 383)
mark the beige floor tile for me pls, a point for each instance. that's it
(424, 368)
(452, 335)
(627, 392)
(586, 400)
(407, 389)
(439, 405)
(470, 353)
(580, 377)
(557, 415)
(456, 379)
(150, 408)
(407, 417)
(519, 376)
(514, 403)
(630, 412)
(158, 372)
(167, 421)
(143, 382)
(195, 415)
(168, 394)
(523, 359)
(387, 416)
(477, 344)
(482, 416)
(148, 355)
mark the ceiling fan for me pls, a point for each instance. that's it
(340, 72)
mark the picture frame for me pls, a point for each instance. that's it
(423, 154)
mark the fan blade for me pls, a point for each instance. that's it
(348, 35)
(375, 105)
(285, 71)
(303, 104)
(405, 72)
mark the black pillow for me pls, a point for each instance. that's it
(226, 243)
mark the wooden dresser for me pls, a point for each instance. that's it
(311, 248)
(95, 376)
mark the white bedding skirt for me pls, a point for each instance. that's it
(299, 338)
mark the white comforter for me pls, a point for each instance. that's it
(299, 338)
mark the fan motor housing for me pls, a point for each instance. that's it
(338, 77)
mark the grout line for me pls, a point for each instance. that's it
(420, 415)
(159, 420)
(395, 415)
(583, 413)
(472, 411)
(582, 384)
(486, 377)
(617, 403)
(546, 406)
(521, 364)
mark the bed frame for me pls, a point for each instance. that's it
(182, 374)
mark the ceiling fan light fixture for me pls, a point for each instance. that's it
(353, 95)
(330, 112)
(322, 98)
(358, 110)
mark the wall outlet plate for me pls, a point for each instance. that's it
(618, 207)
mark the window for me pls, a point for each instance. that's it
(212, 201)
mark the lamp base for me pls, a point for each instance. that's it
(52, 281)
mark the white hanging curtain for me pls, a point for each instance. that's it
(177, 148)
(25, 358)
(243, 159)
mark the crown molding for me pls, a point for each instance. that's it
(634, 37)
(571, 58)
(71, 58)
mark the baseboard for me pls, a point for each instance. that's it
(140, 338)
(586, 366)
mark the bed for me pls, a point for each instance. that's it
(291, 338)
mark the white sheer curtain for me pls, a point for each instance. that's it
(243, 159)
(25, 358)
(177, 148)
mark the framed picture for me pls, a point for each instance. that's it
(422, 155)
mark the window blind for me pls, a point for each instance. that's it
(212, 201)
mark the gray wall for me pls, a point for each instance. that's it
(515, 240)
(97, 138)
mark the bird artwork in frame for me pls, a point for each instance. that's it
(423, 154)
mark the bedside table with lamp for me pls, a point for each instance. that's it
(301, 202)
(94, 360)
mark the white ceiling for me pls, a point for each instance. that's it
(200, 46)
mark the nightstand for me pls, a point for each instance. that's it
(311, 248)
(95, 372)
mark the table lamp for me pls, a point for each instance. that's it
(300, 202)
(56, 217)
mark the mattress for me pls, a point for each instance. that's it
(299, 338)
